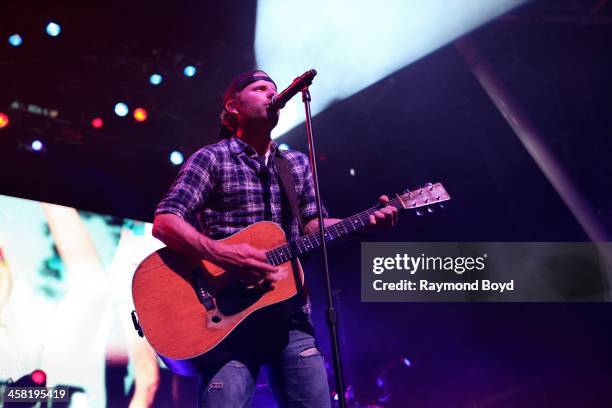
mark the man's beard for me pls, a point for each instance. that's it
(267, 123)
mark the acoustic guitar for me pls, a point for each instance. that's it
(190, 309)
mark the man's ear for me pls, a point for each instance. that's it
(230, 106)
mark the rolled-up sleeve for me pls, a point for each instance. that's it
(191, 187)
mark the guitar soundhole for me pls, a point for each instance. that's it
(216, 319)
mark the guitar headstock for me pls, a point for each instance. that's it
(424, 197)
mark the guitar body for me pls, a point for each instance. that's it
(190, 309)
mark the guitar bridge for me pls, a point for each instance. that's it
(201, 290)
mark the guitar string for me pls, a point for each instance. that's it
(278, 252)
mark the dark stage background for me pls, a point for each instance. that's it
(429, 121)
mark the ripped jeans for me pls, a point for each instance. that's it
(292, 361)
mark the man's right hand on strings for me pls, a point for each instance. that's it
(246, 263)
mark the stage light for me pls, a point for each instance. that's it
(53, 29)
(332, 46)
(36, 378)
(4, 120)
(189, 70)
(15, 40)
(121, 109)
(39, 377)
(176, 158)
(37, 145)
(406, 362)
(140, 114)
(97, 123)
(352, 172)
(283, 146)
(155, 79)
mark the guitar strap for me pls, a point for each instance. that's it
(288, 186)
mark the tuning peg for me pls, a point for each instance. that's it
(441, 206)
(419, 213)
(428, 185)
(430, 210)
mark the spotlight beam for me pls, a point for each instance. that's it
(353, 44)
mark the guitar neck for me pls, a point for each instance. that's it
(312, 241)
(422, 197)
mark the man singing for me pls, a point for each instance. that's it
(223, 188)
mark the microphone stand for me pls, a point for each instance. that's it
(332, 318)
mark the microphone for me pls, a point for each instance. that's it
(299, 83)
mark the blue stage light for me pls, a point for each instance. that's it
(155, 79)
(121, 109)
(176, 158)
(37, 145)
(283, 146)
(189, 70)
(53, 29)
(15, 40)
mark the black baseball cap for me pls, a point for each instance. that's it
(239, 82)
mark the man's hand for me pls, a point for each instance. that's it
(313, 225)
(386, 217)
(246, 263)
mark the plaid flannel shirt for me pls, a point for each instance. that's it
(221, 190)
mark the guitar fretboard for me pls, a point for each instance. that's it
(312, 241)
